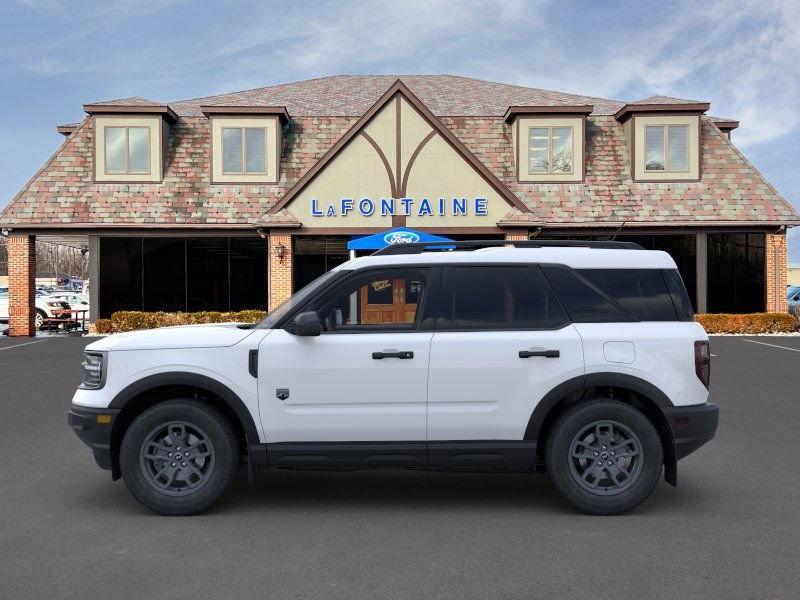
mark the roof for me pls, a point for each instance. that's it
(63, 194)
(577, 258)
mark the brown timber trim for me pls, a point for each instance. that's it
(399, 87)
(384, 160)
(67, 130)
(411, 159)
(277, 111)
(398, 147)
(398, 220)
(725, 125)
(515, 111)
(131, 109)
(630, 109)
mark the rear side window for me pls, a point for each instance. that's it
(680, 297)
(642, 292)
(492, 298)
(585, 302)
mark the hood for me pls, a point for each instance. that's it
(216, 335)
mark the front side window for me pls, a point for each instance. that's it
(384, 300)
(127, 150)
(666, 147)
(497, 298)
(244, 150)
(550, 150)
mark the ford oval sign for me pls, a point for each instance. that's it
(401, 237)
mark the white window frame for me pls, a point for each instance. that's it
(244, 171)
(665, 148)
(550, 170)
(127, 129)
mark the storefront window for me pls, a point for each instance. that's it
(182, 274)
(735, 272)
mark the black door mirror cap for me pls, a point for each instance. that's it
(307, 324)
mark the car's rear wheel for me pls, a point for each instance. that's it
(179, 457)
(604, 456)
(39, 318)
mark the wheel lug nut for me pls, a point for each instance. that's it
(170, 454)
(597, 454)
(609, 463)
(599, 463)
(603, 447)
(612, 453)
(184, 464)
(174, 464)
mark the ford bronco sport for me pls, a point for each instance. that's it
(579, 358)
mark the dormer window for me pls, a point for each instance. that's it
(245, 143)
(127, 150)
(244, 150)
(550, 150)
(666, 148)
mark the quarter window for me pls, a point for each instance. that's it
(550, 150)
(666, 147)
(642, 292)
(493, 298)
(127, 150)
(244, 150)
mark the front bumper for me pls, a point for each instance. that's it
(93, 426)
(692, 426)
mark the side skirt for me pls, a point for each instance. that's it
(515, 455)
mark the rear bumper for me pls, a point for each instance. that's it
(93, 432)
(692, 426)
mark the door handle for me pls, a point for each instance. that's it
(545, 353)
(402, 354)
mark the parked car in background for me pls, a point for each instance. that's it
(76, 301)
(3, 304)
(49, 307)
(793, 297)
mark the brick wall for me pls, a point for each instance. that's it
(775, 273)
(280, 271)
(517, 235)
(21, 284)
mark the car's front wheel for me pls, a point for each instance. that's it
(39, 318)
(604, 456)
(179, 456)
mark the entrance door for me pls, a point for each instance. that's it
(360, 380)
(390, 301)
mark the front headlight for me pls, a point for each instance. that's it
(94, 375)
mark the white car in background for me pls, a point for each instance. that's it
(76, 300)
(46, 306)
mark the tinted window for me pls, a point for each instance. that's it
(680, 298)
(585, 303)
(642, 292)
(502, 298)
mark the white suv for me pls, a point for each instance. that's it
(583, 359)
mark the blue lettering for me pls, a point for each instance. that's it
(425, 208)
(331, 211)
(387, 206)
(347, 206)
(407, 202)
(459, 206)
(480, 207)
(315, 211)
(366, 207)
(441, 207)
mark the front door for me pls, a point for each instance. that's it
(363, 379)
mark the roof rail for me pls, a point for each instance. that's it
(420, 247)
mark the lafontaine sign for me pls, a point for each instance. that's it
(422, 207)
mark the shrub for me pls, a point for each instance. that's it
(752, 323)
(103, 326)
(129, 320)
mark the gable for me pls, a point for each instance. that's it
(399, 162)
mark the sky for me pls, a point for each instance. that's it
(739, 55)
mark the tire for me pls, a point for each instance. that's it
(612, 433)
(39, 318)
(153, 458)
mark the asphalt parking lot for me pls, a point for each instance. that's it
(730, 530)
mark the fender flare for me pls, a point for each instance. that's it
(583, 382)
(196, 380)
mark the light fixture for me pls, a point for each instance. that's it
(261, 233)
(280, 252)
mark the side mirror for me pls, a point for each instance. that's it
(307, 324)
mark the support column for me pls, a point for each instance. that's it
(21, 284)
(775, 273)
(701, 285)
(94, 278)
(279, 284)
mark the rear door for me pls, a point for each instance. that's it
(502, 342)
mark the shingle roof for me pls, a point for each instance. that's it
(130, 101)
(352, 95)
(665, 100)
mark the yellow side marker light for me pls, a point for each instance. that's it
(104, 419)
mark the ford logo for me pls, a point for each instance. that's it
(401, 237)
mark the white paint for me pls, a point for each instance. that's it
(772, 345)
(20, 345)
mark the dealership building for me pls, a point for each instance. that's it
(234, 201)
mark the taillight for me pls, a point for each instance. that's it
(702, 362)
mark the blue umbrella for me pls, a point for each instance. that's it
(398, 235)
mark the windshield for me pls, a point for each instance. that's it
(299, 297)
